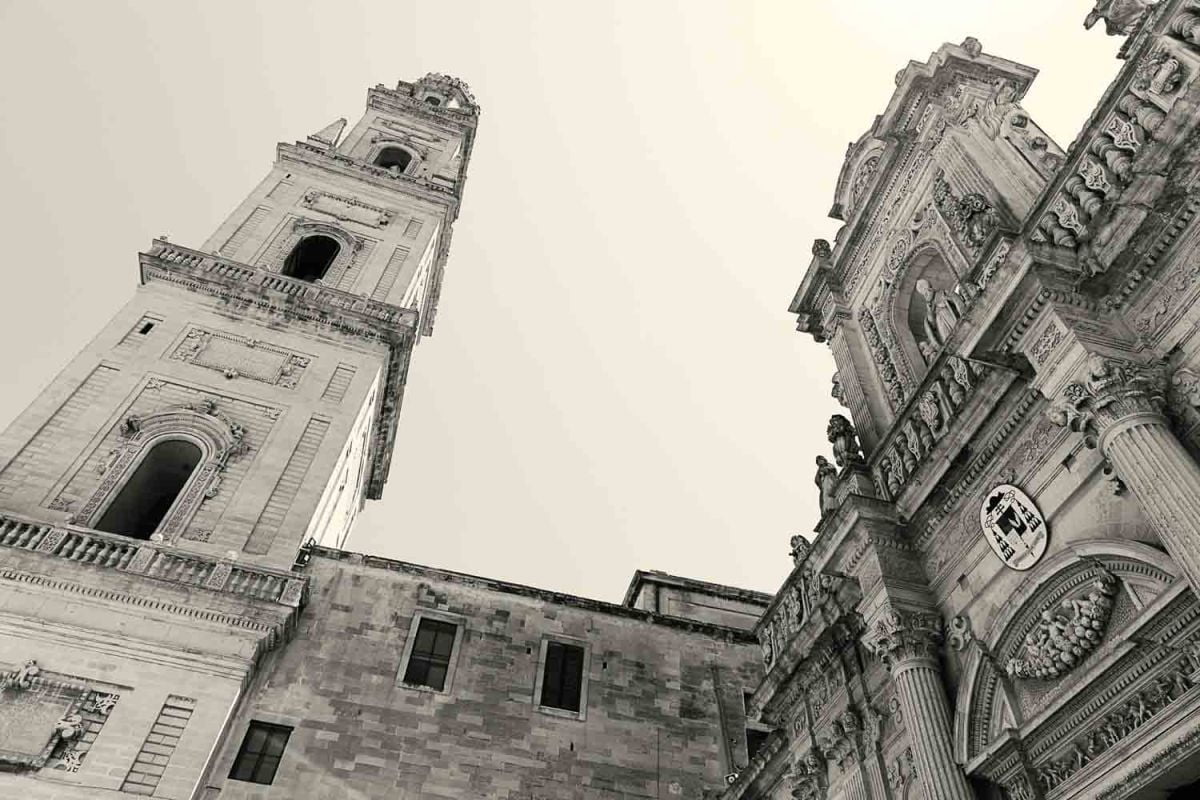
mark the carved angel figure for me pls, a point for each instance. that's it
(942, 312)
(826, 480)
(842, 436)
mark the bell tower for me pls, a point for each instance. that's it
(241, 404)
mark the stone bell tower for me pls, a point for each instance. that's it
(158, 492)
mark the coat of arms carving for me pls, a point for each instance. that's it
(1013, 526)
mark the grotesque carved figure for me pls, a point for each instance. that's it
(842, 436)
(826, 480)
(800, 548)
(942, 312)
(821, 248)
(1121, 17)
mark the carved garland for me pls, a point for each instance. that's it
(1060, 641)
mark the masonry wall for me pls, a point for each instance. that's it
(663, 719)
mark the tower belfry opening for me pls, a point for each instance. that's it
(396, 157)
(311, 258)
(150, 492)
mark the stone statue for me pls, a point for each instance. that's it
(942, 312)
(1121, 17)
(842, 436)
(826, 481)
(800, 545)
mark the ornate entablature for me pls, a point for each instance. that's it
(299, 302)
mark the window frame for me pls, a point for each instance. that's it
(237, 756)
(540, 677)
(410, 640)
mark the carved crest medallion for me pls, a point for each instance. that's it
(1013, 526)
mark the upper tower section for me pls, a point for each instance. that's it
(370, 212)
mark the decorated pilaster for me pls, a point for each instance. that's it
(907, 642)
(1117, 405)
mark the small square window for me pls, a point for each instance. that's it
(262, 748)
(429, 661)
(562, 676)
(146, 328)
(754, 740)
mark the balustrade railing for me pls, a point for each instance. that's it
(151, 559)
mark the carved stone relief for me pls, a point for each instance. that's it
(347, 208)
(241, 357)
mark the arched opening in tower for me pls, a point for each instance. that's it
(311, 258)
(148, 495)
(396, 157)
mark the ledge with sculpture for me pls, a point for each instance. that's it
(1099, 198)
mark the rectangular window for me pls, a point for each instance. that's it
(430, 658)
(562, 679)
(258, 758)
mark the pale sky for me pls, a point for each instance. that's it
(614, 381)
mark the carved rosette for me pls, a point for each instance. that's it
(1112, 390)
(899, 636)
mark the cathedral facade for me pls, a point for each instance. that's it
(999, 601)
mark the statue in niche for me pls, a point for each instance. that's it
(826, 481)
(842, 436)
(942, 313)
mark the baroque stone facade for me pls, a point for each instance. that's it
(999, 601)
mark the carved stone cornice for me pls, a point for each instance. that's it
(900, 635)
(296, 301)
(1111, 391)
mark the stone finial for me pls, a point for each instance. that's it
(1121, 17)
(972, 46)
(844, 438)
(327, 137)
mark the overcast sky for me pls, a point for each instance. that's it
(614, 382)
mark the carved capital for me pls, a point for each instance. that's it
(899, 636)
(1110, 391)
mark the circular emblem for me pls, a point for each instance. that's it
(1013, 526)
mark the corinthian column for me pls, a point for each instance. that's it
(907, 641)
(1118, 406)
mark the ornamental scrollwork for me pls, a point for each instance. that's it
(899, 636)
(1063, 636)
(1111, 390)
(971, 218)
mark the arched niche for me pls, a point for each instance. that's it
(926, 274)
(196, 428)
(991, 700)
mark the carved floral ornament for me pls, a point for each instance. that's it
(902, 635)
(1112, 389)
(1065, 634)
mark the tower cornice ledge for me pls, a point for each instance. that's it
(294, 300)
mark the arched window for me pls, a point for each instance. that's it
(148, 495)
(311, 257)
(396, 157)
(433, 100)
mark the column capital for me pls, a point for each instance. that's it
(1110, 391)
(902, 635)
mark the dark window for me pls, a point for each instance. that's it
(563, 679)
(148, 495)
(433, 101)
(754, 740)
(430, 657)
(311, 258)
(396, 157)
(146, 328)
(258, 758)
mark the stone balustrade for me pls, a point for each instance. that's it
(182, 259)
(923, 421)
(152, 560)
